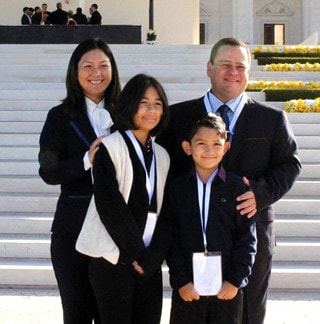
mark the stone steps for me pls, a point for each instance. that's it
(33, 82)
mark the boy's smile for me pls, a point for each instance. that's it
(207, 149)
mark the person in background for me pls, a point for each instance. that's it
(71, 21)
(69, 141)
(95, 18)
(79, 17)
(59, 16)
(263, 151)
(130, 173)
(45, 14)
(37, 16)
(26, 17)
(203, 203)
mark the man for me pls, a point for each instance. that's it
(263, 151)
(37, 16)
(45, 15)
(59, 16)
(26, 17)
(95, 15)
(79, 17)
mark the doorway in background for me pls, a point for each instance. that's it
(274, 34)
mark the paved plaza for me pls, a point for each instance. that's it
(42, 306)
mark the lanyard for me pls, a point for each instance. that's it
(79, 133)
(204, 191)
(150, 178)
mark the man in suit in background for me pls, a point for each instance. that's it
(95, 15)
(79, 17)
(59, 16)
(263, 151)
(26, 17)
(45, 15)
(37, 16)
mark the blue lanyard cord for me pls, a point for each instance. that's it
(79, 133)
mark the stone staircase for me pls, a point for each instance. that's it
(32, 81)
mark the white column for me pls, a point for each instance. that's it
(242, 20)
(310, 17)
(305, 13)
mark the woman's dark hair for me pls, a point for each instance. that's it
(130, 99)
(74, 103)
(210, 121)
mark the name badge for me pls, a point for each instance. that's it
(207, 273)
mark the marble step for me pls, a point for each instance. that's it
(297, 226)
(21, 168)
(298, 206)
(299, 249)
(303, 249)
(38, 272)
(23, 202)
(26, 139)
(31, 153)
(295, 275)
(286, 226)
(22, 223)
(26, 245)
(32, 183)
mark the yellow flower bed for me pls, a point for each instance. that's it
(295, 105)
(303, 105)
(285, 49)
(262, 85)
(296, 67)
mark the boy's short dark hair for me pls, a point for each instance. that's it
(130, 98)
(210, 121)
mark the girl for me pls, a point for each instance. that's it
(129, 173)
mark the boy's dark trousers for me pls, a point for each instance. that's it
(123, 296)
(206, 310)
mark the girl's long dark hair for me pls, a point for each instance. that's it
(130, 98)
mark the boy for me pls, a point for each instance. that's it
(208, 227)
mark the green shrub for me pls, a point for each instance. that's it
(285, 95)
(272, 54)
(290, 60)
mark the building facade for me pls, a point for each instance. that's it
(198, 21)
(260, 21)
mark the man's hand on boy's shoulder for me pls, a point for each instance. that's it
(248, 204)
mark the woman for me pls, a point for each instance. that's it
(68, 143)
(130, 173)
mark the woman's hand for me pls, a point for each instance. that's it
(94, 148)
(137, 267)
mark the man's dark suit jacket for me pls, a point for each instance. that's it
(59, 17)
(36, 18)
(80, 18)
(95, 18)
(25, 20)
(61, 162)
(263, 149)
